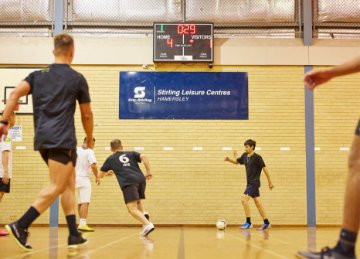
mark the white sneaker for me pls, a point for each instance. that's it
(147, 229)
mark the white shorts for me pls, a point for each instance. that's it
(83, 194)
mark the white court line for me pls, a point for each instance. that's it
(107, 245)
(36, 251)
(260, 248)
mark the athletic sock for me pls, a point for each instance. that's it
(346, 243)
(266, 221)
(82, 222)
(71, 222)
(30, 215)
(248, 220)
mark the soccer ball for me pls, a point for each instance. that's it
(221, 224)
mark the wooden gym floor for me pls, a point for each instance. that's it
(173, 242)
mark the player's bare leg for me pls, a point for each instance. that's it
(351, 215)
(260, 207)
(60, 177)
(136, 213)
(245, 203)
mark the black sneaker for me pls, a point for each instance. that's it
(20, 235)
(325, 253)
(76, 241)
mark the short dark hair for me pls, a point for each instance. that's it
(63, 43)
(115, 144)
(250, 142)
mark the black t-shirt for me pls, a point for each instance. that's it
(254, 166)
(55, 90)
(126, 168)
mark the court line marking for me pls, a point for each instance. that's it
(36, 251)
(260, 248)
(181, 250)
(107, 245)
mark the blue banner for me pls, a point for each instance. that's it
(184, 95)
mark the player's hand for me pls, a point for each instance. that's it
(90, 142)
(314, 78)
(97, 181)
(109, 173)
(148, 176)
(3, 131)
(271, 186)
(5, 179)
(227, 159)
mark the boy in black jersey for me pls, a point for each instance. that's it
(131, 180)
(254, 164)
(55, 91)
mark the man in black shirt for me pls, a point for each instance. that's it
(254, 164)
(55, 90)
(131, 180)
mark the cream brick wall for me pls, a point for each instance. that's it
(189, 187)
(336, 115)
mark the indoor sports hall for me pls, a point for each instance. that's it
(186, 83)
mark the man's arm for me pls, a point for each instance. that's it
(95, 172)
(101, 174)
(146, 162)
(266, 171)
(22, 89)
(87, 122)
(232, 160)
(5, 164)
(317, 77)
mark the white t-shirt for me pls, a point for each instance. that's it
(5, 146)
(85, 158)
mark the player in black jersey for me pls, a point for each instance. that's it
(55, 91)
(125, 165)
(254, 164)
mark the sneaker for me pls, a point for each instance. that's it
(20, 235)
(146, 215)
(76, 241)
(3, 233)
(85, 228)
(325, 253)
(246, 226)
(264, 226)
(147, 229)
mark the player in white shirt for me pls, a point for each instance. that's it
(6, 165)
(85, 163)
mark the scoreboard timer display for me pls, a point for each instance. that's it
(183, 42)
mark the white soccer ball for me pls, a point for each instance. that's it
(221, 224)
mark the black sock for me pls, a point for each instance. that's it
(248, 220)
(71, 222)
(266, 221)
(30, 215)
(346, 243)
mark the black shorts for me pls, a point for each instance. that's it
(61, 155)
(4, 187)
(252, 190)
(134, 192)
(357, 130)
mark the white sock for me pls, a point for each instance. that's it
(82, 222)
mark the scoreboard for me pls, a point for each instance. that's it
(183, 42)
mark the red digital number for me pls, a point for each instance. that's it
(170, 42)
(186, 29)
